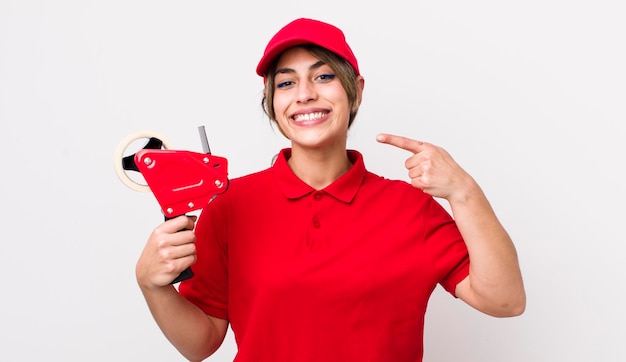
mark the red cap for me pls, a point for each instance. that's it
(307, 31)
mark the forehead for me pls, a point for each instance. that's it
(296, 56)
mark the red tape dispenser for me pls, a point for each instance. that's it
(181, 181)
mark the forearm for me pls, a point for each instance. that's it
(193, 333)
(495, 283)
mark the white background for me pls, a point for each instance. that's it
(528, 96)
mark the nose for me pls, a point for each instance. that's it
(306, 92)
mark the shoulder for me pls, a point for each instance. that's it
(246, 190)
(390, 195)
(243, 187)
(393, 186)
(252, 179)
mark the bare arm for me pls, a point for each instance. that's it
(494, 285)
(166, 254)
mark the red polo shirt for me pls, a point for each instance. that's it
(340, 274)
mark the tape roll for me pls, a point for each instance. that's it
(121, 152)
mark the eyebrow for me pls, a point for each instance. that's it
(314, 66)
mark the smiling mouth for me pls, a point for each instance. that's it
(307, 117)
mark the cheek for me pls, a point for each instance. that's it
(280, 111)
(339, 97)
(280, 106)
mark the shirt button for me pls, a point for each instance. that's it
(317, 196)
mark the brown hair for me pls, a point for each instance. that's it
(343, 70)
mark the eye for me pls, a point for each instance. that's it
(284, 84)
(325, 77)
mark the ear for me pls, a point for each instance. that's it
(360, 84)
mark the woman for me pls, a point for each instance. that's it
(315, 258)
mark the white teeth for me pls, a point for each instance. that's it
(308, 116)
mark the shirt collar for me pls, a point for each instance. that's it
(343, 189)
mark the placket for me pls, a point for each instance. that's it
(318, 234)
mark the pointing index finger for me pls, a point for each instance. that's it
(400, 142)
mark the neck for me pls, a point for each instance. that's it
(319, 168)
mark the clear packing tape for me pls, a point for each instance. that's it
(121, 153)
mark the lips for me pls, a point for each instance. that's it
(304, 117)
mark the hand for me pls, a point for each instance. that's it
(170, 249)
(431, 168)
